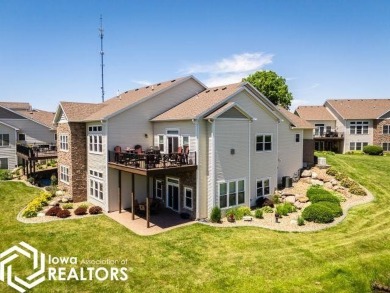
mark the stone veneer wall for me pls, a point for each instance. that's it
(187, 179)
(379, 137)
(75, 158)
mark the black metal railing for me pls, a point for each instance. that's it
(329, 134)
(37, 151)
(152, 160)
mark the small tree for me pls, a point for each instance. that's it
(271, 85)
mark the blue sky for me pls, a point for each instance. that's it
(49, 50)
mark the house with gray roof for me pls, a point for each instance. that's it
(349, 124)
(182, 144)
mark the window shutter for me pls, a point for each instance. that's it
(156, 142)
(193, 143)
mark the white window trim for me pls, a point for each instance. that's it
(355, 145)
(95, 131)
(172, 129)
(388, 129)
(264, 134)
(388, 146)
(360, 123)
(99, 181)
(67, 142)
(297, 135)
(262, 180)
(192, 197)
(93, 135)
(162, 188)
(63, 181)
(9, 140)
(227, 192)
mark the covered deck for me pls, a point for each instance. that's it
(30, 155)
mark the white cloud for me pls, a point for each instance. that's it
(142, 82)
(232, 69)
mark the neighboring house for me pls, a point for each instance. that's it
(22, 127)
(349, 124)
(223, 146)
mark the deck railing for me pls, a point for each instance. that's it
(152, 160)
(38, 151)
(329, 134)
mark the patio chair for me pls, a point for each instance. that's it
(118, 154)
(138, 149)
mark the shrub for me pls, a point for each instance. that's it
(357, 190)
(373, 150)
(346, 182)
(231, 212)
(332, 171)
(263, 202)
(317, 190)
(340, 176)
(63, 214)
(67, 206)
(276, 199)
(301, 221)
(36, 205)
(215, 216)
(94, 210)
(335, 208)
(81, 210)
(5, 175)
(84, 205)
(285, 208)
(53, 180)
(267, 209)
(259, 213)
(53, 211)
(324, 197)
(318, 213)
(242, 211)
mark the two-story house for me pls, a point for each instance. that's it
(191, 146)
(349, 124)
(22, 127)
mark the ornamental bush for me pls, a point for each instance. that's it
(334, 207)
(215, 216)
(94, 210)
(317, 190)
(324, 197)
(332, 171)
(285, 208)
(373, 150)
(63, 214)
(346, 182)
(5, 175)
(340, 176)
(301, 221)
(80, 211)
(259, 214)
(318, 213)
(357, 190)
(53, 211)
(242, 211)
(67, 206)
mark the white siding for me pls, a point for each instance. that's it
(358, 137)
(9, 152)
(35, 133)
(290, 152)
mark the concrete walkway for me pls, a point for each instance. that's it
(163, 221)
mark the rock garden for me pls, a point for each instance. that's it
(320, 199)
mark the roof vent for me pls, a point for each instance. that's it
(207, 91)
(224, 88)
(173, 80)
(158, 84)
(147, 87)
(215, 90)
(126, 92)
(136, 90)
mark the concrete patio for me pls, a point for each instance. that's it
(164, 221)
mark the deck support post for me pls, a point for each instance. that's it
(132, 197)
(147, 212)
(120, 190)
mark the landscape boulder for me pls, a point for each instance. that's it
(306, 173)
(317, 182)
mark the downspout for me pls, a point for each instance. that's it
(249, 159)
(196, 122)
(277, 153)
(105, 182)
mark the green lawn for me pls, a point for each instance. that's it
(198, 258)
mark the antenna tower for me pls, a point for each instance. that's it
(101, 31)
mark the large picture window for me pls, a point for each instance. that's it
(358, 127)
(96, 184)
(231, 193)
(95, 143)
(357, 146)
(263, 142)
(262, 187)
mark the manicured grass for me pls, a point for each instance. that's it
(198, 258)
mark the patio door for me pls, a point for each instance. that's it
(173, 194)
(173, 144)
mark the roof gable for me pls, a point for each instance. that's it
(9, 125)
(231, 111)
(360, 108)
(314, 113)
(9, 114)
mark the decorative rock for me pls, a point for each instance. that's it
(328, 185)
(53, 203)
(295, 222)
(64, 199)
(59, 193)
(336, 187)
(299, 205)
(306, 204)
(306, 180)
(247, 218)
(314, 175)
(40, 214)
(334, 182)
(306, 173)
(317, 182)
(303, 199)
(326, 179)
(290, 199)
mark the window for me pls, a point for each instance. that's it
(386, 129)
(319, 129)
(231, 193)
(263, 142)
(173, 131)
(297, 137)
(188, 198)
(4, 140)
(95, 142)
(95, 128)
(357, 146)
(21, 136)
(358, 127)
(186, 140)
(161, 142)
(159, 189)
(64, 146)
(64, 174)
(3, 163)
(96, 184)
(386, 146)
(262, 187)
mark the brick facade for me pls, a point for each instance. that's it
(75, 159)
(187, 179)
(379, 137)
